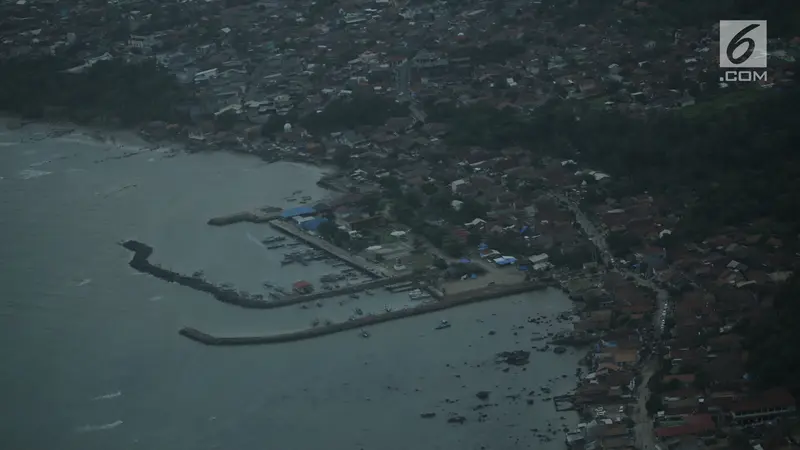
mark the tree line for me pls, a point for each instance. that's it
(110, 91)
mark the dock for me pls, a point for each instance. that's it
(260, 215)
(353, 288)
(353, 260)
(460, 299)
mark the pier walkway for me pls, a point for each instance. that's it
(463, 298)
(353, 288)
(354, 260)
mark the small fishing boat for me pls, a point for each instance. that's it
(442, 325)
(364, 334)
(359, 312)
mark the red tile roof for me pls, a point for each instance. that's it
(698, 424)
(301, 285)
(773, 398)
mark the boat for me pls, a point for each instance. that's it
(442, 325)
(368, 292)
(315, 322)
(267, 285)
(364, 334)
(359, 312)
(273, 239)
(418, 294)
(353, 295)
(273, 247)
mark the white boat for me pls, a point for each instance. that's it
(442, 325)
(418, 294)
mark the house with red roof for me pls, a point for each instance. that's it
(762, 407)
(699, 425)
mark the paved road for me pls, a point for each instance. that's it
(599, 240)
(645, 438)
(643, 430)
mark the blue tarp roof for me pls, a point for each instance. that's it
(464, 260)
(483, 247)
(298, 211)
(313, 224)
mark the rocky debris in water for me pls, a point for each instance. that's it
(428, 415)
(514, 358)
(483, 406)
(559, 350)
(457, 419)
(530, 401)
(492, 333)
(483, 395)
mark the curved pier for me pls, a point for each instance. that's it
(141, 263)
(447, 303)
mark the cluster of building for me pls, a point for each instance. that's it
(256, 61)
(263, 59)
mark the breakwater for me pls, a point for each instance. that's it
(358, 262)
(463, 298)
(141, 263)
(261, 215)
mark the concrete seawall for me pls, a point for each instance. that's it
(453, 301)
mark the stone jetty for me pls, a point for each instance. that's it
(141, 263)
(463, 298)
(261, 215)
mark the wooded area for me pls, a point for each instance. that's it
(109, 91)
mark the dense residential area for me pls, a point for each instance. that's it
(592, 145)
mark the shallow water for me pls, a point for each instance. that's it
(91, 354)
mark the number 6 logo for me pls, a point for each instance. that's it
(743, 44)
(740, 39)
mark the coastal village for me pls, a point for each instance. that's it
(665, 363)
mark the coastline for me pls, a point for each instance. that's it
(466, 343)
(363, 322)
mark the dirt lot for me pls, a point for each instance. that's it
(507, 275)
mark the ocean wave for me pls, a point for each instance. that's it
(108, 396)
(93, 428)
(27, 174)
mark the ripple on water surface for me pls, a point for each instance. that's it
(67, 345)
